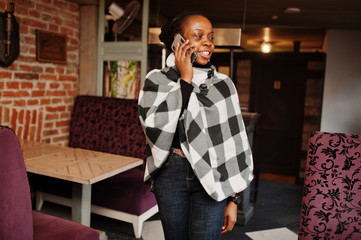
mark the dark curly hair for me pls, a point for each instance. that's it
(174, 26)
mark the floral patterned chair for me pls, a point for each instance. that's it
(331, 204)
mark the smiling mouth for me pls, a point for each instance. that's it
(204, 53)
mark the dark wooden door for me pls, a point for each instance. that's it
(279, 92)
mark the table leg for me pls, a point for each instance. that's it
(81, 205)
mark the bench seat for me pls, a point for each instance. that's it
(108, 125)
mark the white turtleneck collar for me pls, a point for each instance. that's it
(199, 74)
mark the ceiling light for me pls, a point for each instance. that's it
(266, 47)
(292, 10)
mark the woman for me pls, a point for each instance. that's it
(199, 157)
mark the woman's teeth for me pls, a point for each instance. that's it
(204, 53)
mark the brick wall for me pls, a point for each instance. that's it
(36, 98)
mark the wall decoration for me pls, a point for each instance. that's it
(9, 36)
(50, 47)
(122, 79)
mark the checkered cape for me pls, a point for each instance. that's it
(212, 132)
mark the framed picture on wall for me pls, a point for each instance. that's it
(122, 79)
(50, 47)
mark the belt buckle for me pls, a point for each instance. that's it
(179, 152)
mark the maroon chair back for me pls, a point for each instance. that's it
(331, 204)
(16, 222)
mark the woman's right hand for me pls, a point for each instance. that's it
(183, 60)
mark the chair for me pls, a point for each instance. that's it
(18, 221)
(107, 125)
(331, 204)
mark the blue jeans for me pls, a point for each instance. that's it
(187, 212)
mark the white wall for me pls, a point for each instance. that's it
(341, 110)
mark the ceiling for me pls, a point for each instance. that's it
(266, 18)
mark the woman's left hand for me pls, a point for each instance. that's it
(230, 217)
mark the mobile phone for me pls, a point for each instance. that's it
(179, 39)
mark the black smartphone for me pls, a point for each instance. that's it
(179, 39)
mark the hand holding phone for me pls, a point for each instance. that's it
(179, 39)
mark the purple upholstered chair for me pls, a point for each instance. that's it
(108, 125)
(331, 204)
(17, 220)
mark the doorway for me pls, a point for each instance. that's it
(278, 96)
(286, 90)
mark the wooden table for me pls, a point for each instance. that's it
(80, 166)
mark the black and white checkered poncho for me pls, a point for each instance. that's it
(212, 132)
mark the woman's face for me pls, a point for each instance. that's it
(199, 31)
